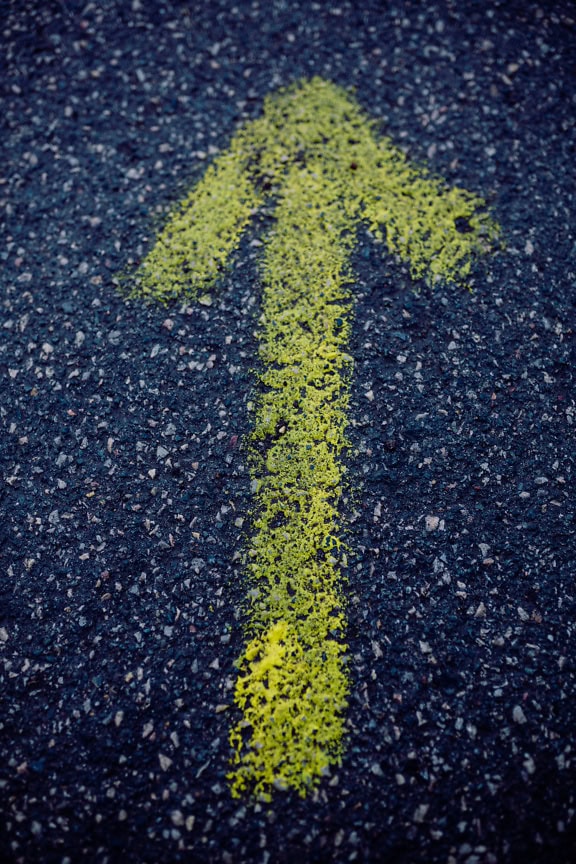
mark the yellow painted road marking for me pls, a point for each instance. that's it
(316, 154)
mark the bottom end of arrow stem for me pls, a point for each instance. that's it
(293, 698)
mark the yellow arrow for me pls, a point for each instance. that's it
(315, 153)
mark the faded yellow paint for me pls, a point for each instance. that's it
(315, 153)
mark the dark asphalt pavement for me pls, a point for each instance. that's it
(124, 476)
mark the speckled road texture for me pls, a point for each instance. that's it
(129, 439)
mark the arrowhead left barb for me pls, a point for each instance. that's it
(316, 154)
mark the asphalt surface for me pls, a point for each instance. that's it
(125, 477)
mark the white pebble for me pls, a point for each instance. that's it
(165, 761)
(518, 715)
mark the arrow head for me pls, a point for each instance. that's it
(317, 126)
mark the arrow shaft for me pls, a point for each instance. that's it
(293, 686)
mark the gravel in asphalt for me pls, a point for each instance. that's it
(126, 492)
